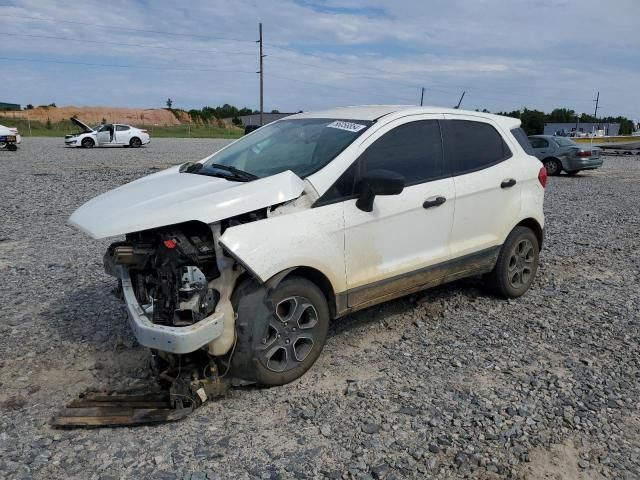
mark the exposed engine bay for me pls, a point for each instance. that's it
(180, 276)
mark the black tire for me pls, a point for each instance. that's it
(517, 264)
(573, 173)
(87, 143)
(12, 147)
(553, 166)
(272, 347)
(135, 142)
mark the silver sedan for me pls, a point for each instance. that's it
(561, 153)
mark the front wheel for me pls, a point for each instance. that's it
(87, 143)
(281, 334)
(517, 264)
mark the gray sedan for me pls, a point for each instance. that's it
(561, 153)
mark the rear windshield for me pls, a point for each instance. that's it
(564, 141)
(522, 139)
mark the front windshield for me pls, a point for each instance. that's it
(564, 142)
(303, 146)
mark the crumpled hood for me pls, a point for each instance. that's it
(170, 197)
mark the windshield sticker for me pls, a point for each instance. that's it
(348, 126)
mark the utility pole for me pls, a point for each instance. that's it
(422, 96)
(261, 72)
(595, 114)
(461, 97)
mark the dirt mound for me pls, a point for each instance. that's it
(94, 115)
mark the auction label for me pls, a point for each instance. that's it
(348, 126)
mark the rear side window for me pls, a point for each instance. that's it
(470, 146)
(122, 128)
(414, 150)
(538, 142)
(522, 139)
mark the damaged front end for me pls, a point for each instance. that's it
(176, 283)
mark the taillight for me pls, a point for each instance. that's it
(584, 153)
(542, 177)
(143, 131)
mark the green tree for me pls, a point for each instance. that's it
(48, 124)
(236, 121)
(28, 107)
(169, 102)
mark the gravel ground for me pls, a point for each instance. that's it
(446, 384)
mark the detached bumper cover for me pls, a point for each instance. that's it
(161, 337)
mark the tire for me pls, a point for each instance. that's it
(553, 166)
(12, 147)
(517, 264)
(87, 143)
(135, 142)
(280, 334)
(573, 173)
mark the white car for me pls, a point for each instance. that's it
(107, 135)
(9, 138)
(237, 263)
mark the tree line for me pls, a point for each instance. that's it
(533, 120)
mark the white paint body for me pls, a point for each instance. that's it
(350, 247)
(121, 136)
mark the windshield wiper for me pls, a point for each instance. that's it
(236, 172)
(230, 173)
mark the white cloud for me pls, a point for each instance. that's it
(505, 54)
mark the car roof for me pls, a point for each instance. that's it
(374, 112)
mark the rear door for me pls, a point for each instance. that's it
(122, 134)
(540, 146)
(389, 250)
(487, 183)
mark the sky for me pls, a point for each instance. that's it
(505, 54)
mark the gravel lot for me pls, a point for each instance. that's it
(447, 383)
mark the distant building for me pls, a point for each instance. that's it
(9, 106)
(254, 118)
(580, 129)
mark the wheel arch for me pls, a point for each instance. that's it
(533, 225)
(313, 275)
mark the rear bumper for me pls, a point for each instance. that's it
(571, 164)
(165, 338)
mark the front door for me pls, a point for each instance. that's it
(390, 250)
(105, 135)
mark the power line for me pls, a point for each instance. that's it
(157, 32)
(146, 67)
(11, 34)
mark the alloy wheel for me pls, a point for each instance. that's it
(521, 264)
(290, 335)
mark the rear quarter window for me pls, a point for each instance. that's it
(471, 146)
(523, 140)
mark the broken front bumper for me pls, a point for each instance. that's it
(162, 337)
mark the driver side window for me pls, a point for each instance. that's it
(414, 150)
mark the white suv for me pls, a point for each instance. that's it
(239, 261)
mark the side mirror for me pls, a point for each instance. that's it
(378, 182)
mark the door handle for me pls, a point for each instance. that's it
(433, 202)
(508, 183)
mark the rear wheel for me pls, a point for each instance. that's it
(553, 166)
(12, 147)
(517, 264)
(135, 142)
(87, 143)
(280, 334)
